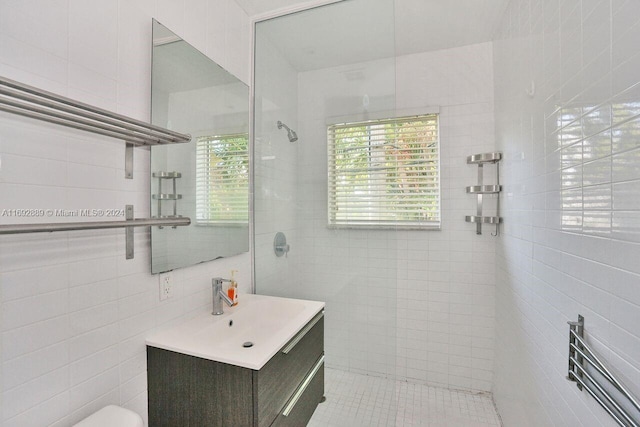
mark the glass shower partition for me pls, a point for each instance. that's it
(312, 69)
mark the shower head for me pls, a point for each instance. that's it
(293, 137)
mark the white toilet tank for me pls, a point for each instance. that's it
(112, 416)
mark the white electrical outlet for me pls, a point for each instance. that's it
(166, 285)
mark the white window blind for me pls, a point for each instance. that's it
(385, 173)
(222, 179)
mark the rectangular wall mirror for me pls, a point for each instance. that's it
(207, 179)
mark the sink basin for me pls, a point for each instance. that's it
(266, 322)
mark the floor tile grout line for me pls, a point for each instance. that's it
(359, 400)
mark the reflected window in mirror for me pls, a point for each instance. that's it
(206, 179)
(222, 179)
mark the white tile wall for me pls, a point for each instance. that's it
(570, 244)
(411, 305)
(74, 313)
(446, 279)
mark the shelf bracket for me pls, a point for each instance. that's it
(480, 199)
(128, 212)
(128, 161)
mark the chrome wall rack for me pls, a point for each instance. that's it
(481, 189)
(590, 374)
(161, 196)
(28, 101)
(128, 224)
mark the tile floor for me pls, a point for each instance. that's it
(355, 400)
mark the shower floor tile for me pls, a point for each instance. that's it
(356, 400)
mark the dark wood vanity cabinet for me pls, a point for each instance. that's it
(188, 391)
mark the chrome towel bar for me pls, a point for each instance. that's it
(91, 225)
(127, 224)
(586, 369)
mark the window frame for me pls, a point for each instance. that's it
(379, 224)
(208, 222)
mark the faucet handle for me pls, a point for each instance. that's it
(217, 282)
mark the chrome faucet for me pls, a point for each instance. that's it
(219, 296)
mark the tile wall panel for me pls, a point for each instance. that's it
(74, 313)
(570, 241)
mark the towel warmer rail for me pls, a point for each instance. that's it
(583, 362)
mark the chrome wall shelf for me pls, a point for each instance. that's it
(484, 189)
(167, 197)
(128, 224)
(483, 219)
(589, 373)
(480, 189)
(167, 175)
(28, 101)
(484, 158)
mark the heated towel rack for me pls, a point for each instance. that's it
(589, 373)
(28, 101)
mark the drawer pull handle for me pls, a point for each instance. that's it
(300, 391)
(302, 333)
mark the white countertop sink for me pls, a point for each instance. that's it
(267, 322)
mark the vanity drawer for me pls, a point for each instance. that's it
(277, 381)
(298, 411)
(187, 391)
